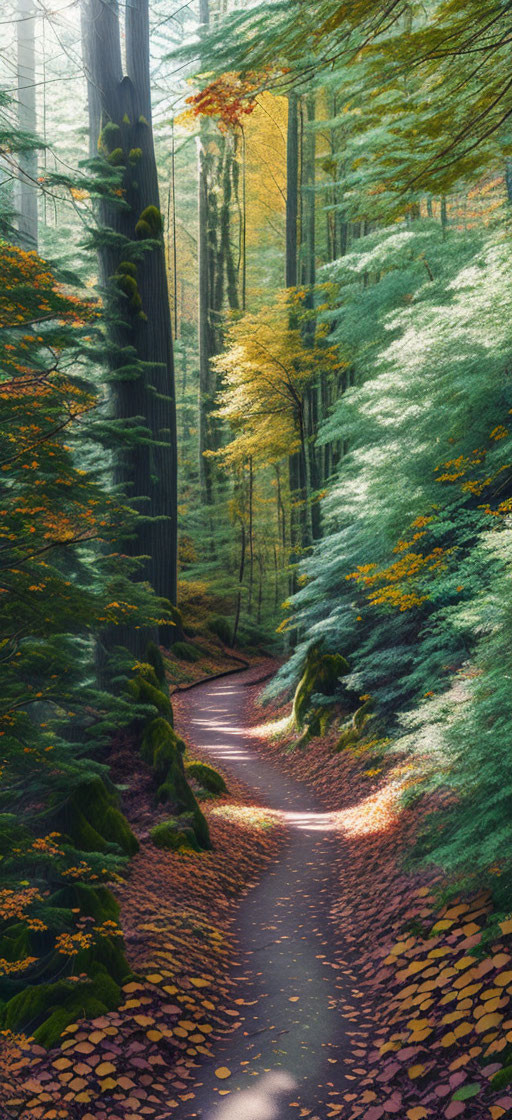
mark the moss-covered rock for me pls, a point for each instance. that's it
(206, 777)
(321, 674)
(163, 750)
(172, 837)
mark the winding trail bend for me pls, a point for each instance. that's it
(287, 977)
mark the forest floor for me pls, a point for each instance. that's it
(297, 946)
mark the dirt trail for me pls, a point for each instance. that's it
(291, 1019)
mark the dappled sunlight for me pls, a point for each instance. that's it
(272, 728)
(251, 816)
(260, 1101)
(216, 725)
(376, 813)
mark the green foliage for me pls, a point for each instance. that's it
(185, 651)
(145, 689)
(154, 656)
(65, 581)
(221, 628)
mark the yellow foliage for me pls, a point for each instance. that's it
(266, 371)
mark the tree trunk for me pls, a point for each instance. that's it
(251, 534)
(292, 191)
(205, 285)
(140, 333)
(26, 186)
(292, 216)
(240, 582)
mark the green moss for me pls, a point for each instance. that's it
(134, 155)
(151, 219)
(201, 830)
(170, 836)
(321, 674)
(352, 733)
(127, 268)
(160, 734)
(176, 789)
(116, 157)
(143, 230)
(207, 777)
(109, 138)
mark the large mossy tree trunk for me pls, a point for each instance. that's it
(140, 334)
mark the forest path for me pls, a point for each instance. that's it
(291, 1021)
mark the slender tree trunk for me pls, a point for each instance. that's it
(146, 467)
(226, 261)
(444, 214)
(251, 533)
(241, 573)
(26, 186)
(244, 221)
(260, 588)
(292, 191)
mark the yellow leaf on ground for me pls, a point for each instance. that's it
(487, 1022)
(503, 979)
(107, 1084)
(415, 1071)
